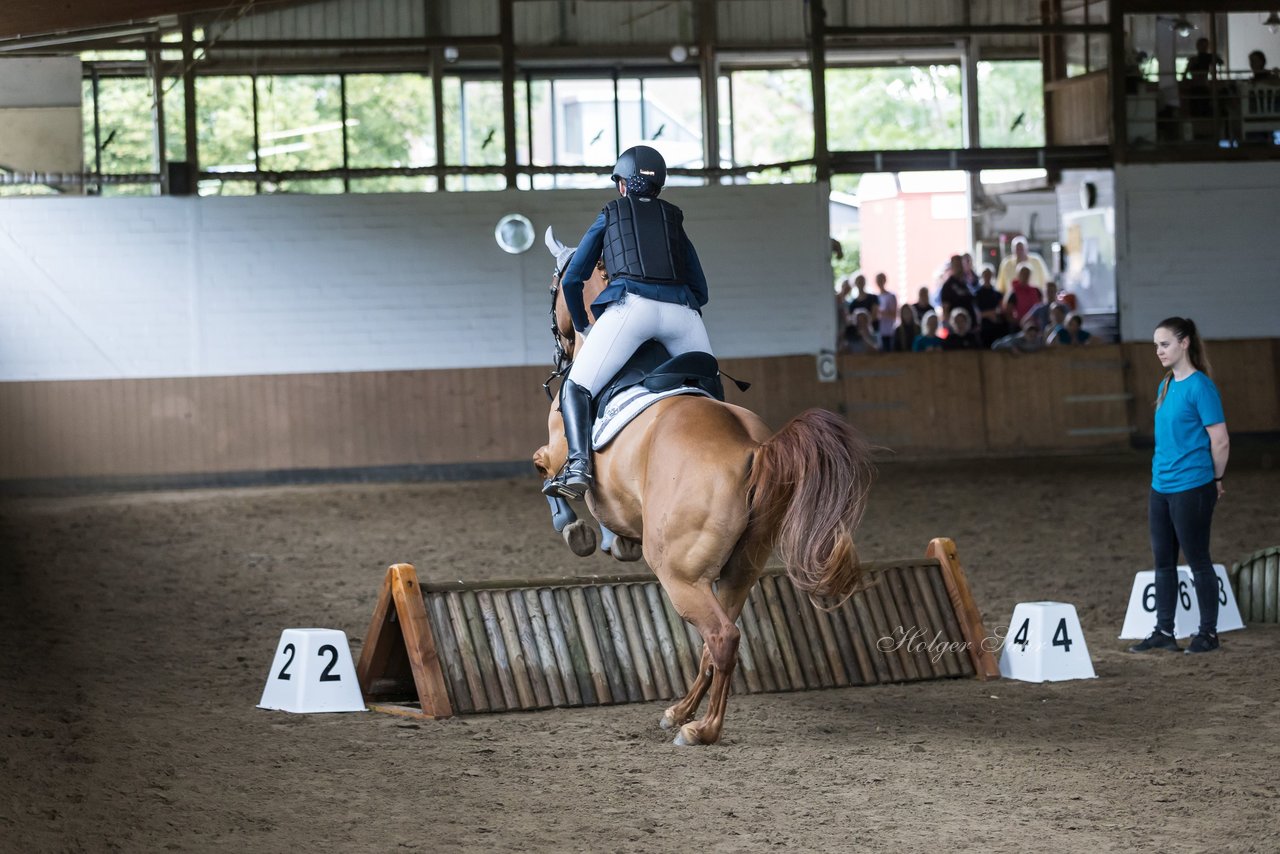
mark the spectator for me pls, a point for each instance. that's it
(955, 293)
(1197, 91)
(1020, 258)
(862, 299)
(928, 338)
(1204, 63)
(922, 304)
(908, 329)
(1076, 333)
(962, 336)
(1041, 310)
(887, 311)
(1258, 65)
(1022, 298)
(843, 323)
(864, 338)
(1067, 298)
(1056, 330)
(1019, 343)
(971, 278)
(992, 324)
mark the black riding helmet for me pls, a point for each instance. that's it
(643, 169)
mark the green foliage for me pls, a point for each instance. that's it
(772, 116)
(124, 115)
(224, 123)
(299, 122)
(851, 242)
(477, 141)
(390, 121)
(1009, 94)
(872, 109)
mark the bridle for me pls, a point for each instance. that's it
(562, 361)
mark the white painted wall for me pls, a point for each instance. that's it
(146, 287)
(40, 115)
(1199, 240)
(1245, 34)
(40, 82)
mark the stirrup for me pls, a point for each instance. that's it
(572, 482)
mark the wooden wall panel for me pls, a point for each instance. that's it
(300, 421)
(916, 404)
(1073, 398)
(1080, 110)
(781, 387)
(1247, 373)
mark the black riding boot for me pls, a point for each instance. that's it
(574, 479)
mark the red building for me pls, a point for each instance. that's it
(912, 223)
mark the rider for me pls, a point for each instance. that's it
(656, 288)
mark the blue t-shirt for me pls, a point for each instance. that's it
(924, 343)
(1182, 459)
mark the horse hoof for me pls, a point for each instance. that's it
(626, 549)
(687, 737)
(580, 537)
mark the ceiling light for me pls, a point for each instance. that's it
(1182, 27)
(1272, 22)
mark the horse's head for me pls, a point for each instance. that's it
(592, 288)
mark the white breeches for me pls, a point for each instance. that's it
(626, 325)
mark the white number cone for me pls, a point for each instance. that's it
(312, 672)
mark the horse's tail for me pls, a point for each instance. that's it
(808, 489)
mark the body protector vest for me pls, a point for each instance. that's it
(643, 241)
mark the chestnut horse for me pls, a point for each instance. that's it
(708, 492)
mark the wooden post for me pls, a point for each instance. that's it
(401, 614)
(967, 613)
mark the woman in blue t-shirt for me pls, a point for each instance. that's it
(1186, 481)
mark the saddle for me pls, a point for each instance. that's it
(650, 375)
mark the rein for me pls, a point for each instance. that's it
(562, 360)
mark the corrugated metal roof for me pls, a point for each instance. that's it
(610, 22)
(542, 22)
(761, 21)
(333, 19)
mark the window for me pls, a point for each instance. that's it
(1010, 104)
(124, 131)
(671, 121)
(871, 109)
(224, 124)
(473, 131)
(299, 122)
(390, 121)
(772, 116)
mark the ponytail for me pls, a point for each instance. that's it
(1184, 328)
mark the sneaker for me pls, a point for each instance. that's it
(1158, 640)
(1202, 643)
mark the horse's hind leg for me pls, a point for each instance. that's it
(714, 615)
(682, 712)
(698, 604)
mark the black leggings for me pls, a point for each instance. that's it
(1183, 519)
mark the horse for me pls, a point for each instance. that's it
(706, 492)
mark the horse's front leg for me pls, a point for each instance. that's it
(621, 548)
(580, 537)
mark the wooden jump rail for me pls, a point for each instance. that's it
(436, 650)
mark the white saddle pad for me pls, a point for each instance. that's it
(626, 406)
